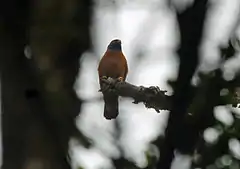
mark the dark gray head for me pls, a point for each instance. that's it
(115, 44)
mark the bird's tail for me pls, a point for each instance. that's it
(111, 106)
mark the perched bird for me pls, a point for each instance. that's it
(113, 64)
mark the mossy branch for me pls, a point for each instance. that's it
(151, 97)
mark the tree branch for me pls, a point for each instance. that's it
(151, 97)
(154, 97)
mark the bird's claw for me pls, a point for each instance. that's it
(109, 87)
(104, 77)
(104, 87)
(120, 79)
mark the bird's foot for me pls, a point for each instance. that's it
(120, 79)
(105, 86)
(104, 77)
(109, 87)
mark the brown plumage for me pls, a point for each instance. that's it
(113, 64)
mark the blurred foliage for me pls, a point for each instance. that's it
(40, 90)
(211, 91)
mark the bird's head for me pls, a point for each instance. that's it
(115, 44)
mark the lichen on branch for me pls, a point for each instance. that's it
(151, 97)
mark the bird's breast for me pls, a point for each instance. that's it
(112, 64)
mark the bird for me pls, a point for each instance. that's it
(112, 64)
